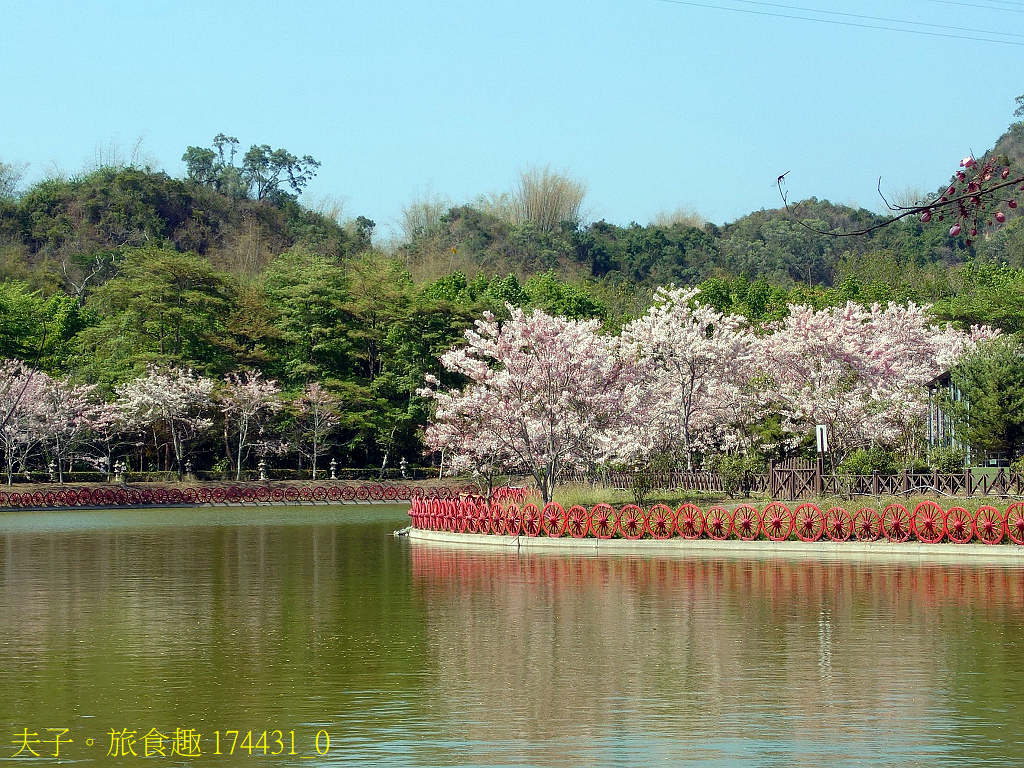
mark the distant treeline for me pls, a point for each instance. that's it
(224, 270)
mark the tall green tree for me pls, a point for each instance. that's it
(164, 308)
(990, 415)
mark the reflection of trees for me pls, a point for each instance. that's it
(538, 646)
(234, 623)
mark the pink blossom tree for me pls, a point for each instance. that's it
(175, 399)
(318, 417)
(859, 371)
(70, 414)
(247, 401)
(692, 362)
(22, 411)
(544, 393)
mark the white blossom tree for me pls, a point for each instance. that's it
(693, 362)
(318, 417)
(247, 401)
(543, 394)
(175, 399)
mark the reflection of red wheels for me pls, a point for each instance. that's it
(348, 493)
(928, 522)
(690, 521)
(718, 523)
(988, 525)
(553, 519)
(531, 520)
(578, 522)
(777, 521)
(602, 521)
(838, 524)
(867, 524)
(746, 522)
(631, 522)
(660, 522)
(1015, 522)
(809, 522)
(959, 525)
(513, 521)
(896, 522)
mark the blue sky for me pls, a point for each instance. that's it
(654, 104)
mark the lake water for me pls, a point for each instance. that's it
(314, 621)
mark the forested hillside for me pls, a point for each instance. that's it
(225, 270)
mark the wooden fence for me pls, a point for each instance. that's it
(801, 479)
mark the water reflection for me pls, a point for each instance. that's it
(762, 661)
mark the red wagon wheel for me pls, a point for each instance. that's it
(483, 518)
(348, 493)
(262, 493)
(959, 525)
(602, 521)
(404, 493)
(896, 522)
(376, 492)
(291, 494)
(928, 522)
(578, 521)
(631, 522)
(362, 493)
(690, 521)
(497, 518)
(319, 493)
(660, 522)
(531, 520)
(305, 493)
(390, 493)
(277, 494)
(867, 524)
(746, 522)
(809, 522)
(175, 496)
(838, 524)
(718, 523)
(513, 520)
(989, 525)
(777, 521)
(190, 495)
(553, 519)
(1015, 522)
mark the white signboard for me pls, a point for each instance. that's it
(822, 432)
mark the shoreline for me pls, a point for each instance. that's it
(855, 551)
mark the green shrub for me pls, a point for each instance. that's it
(947, 460)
